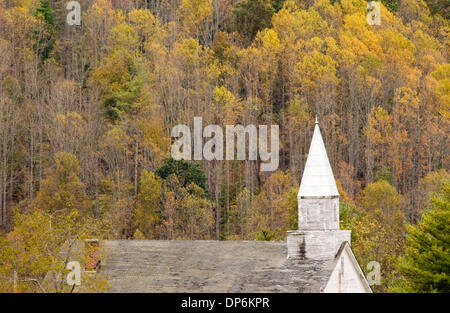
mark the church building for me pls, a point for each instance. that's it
(317, 257)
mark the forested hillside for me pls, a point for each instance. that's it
(86, 114)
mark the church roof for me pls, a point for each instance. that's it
(208, 266)
(318, 179)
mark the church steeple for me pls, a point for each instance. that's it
(318, 197)
(318, 179)
(318, 235)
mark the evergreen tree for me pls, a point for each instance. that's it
(186, 172)
(440, 7)
(392, 5)
(425, 267)
(46, 35)
(251, 16)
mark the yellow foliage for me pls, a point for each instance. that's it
(270, 208)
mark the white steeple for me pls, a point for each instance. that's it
(318, 235)
(318, 179)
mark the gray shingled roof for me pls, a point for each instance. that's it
(208, 266)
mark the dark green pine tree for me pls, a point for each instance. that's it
(45, 37)
(251, 16)
(186, 172)
(439, 7)
(391, 5)
(46, 11)
(425, 267)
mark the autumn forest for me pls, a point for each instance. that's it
(86, 113)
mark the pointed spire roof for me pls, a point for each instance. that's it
(318, 179)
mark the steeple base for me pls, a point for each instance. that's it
(315, 244)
